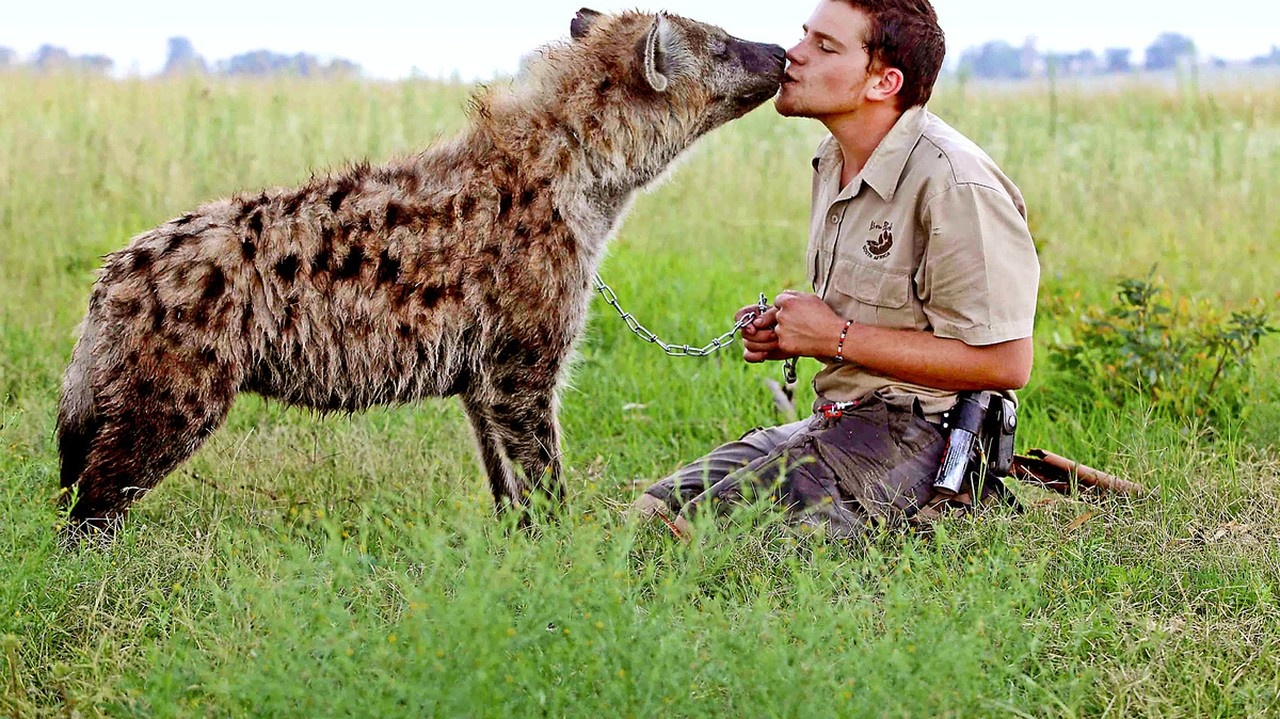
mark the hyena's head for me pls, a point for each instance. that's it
(694, 67)
(639, 88)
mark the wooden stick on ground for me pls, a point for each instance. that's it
(1055, 471)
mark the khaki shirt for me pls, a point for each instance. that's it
(929, 236)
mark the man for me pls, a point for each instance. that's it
(925, 279)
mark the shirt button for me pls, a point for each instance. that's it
(835, 219)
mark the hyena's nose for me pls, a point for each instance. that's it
(779, 57)
(769, 59)
(762, 59)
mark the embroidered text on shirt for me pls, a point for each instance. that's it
(877, 248)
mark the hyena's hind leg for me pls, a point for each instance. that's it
(147, 418)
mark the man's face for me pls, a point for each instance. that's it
(827, 70)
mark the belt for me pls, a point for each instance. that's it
(836, 410)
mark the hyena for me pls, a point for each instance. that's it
(463, 270)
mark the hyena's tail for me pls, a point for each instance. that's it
(78, 423)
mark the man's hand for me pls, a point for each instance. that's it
(806, 326)
(758, 336)
(798, 325)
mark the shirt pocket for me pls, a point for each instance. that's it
(872, 295)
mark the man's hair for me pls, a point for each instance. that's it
(905, 34)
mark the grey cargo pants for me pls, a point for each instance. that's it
(876, 463)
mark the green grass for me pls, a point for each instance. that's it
(303, 565)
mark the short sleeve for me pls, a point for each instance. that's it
(979, 274)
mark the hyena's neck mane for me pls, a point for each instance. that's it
(582, 140)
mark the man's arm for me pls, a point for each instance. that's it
(802, 325)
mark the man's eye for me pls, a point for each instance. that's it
(825, 47)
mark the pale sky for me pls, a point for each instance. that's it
(477, 40)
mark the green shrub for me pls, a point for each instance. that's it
(1189, 359)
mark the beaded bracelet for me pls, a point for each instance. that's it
(840, 345)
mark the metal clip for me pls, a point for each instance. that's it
(836, 410)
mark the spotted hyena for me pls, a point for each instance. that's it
(464, 270)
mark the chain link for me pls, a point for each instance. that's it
(677, 350)
(789, 375)
(724, 340)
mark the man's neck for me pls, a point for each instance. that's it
(859, 133)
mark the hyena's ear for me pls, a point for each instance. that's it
(582, 23)
(655, 53)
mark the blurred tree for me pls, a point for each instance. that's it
(995, 59)
(51, 58)
(1087, 59)
(1117, 60)
(1263, 60)
(339, 67)
(1081, 62)
(94, 64)
(7, 57)
(1168, 49)
(265, 62)
(183, 59)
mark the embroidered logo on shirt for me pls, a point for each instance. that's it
(877, 248)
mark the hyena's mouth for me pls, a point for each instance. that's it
(758, 97)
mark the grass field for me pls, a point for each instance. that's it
(304, 566)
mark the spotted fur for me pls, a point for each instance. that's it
(464, 270)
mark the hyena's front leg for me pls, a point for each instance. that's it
(492, 454)
(532, 438)
(520, 414)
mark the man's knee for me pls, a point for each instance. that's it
(680, 487)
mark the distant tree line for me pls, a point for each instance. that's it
(184, 60)
(50, 58)
(996, 59)
(1001, 60)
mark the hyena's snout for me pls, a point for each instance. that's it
(761, 68)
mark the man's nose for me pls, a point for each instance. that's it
(793, 56)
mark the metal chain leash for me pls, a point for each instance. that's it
(684, 350)
(677, 350)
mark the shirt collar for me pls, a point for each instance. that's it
(884, 169)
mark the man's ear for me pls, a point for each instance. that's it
(887, 85)
(582, 23)
(655, 53)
